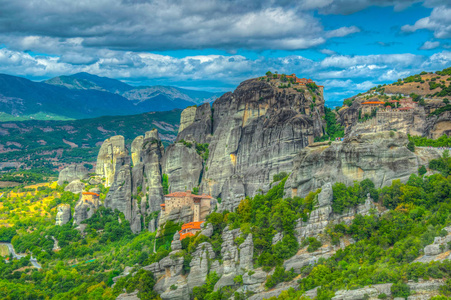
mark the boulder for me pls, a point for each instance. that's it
(207, 230)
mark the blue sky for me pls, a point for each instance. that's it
(346, 45)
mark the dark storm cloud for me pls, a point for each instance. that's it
(141, 25)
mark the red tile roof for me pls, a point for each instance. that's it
(189, 226)
(90, 193)
(374, 102)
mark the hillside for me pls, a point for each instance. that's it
(417, 105)
(84, 95)
(54, 144)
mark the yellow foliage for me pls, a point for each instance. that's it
(405, 207)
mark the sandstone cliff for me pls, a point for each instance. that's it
(380, 157)
(253, 134)
(135, 190)
(109, 152)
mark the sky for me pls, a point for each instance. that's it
(348, 46)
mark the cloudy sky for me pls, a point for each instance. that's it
(347, 45)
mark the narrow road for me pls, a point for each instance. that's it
(33, 260)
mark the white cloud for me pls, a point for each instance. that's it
(439, 22)
(328, 51)
(428, 45)
(342, 31)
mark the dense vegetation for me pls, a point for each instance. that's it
(333, 129)
(443, 141)
(84, 266)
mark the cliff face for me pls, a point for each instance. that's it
(110, 150)
(380, 157)
(253, 134)
(135, 190)
(196, 124)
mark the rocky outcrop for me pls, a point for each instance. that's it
(257, 131)
(119, 196)
(423, 289)
(71, 173)
(147, 173)
(408, 122)
(111, 149)
(135, 191)
(380, 157)
(187, 117)
(364, 293)
(200, 265)
(438, 250)
(76, 187)
(85, 209)
(169, 272)
(183, 166)
(136, 148)
(323, 215)
(436, 126)
(63, 215)
(196, 124)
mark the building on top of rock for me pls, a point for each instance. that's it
(86, 207)
(89, 196)
(369, 106)
(200, 204)
(190, 229)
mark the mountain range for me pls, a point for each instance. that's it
(84, 95)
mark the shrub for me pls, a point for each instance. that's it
(279, 176)
(422, 170)
(400, 289)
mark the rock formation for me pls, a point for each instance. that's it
(85, 208)
(196, 124)
(63, 215)
(438, 250)
(253, 134)
(380, 157)
(183, 166)
(71, 173)
(109, 152)
(135, 190)
(418, 121)
(76, 187)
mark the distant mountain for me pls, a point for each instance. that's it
(84, 95)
